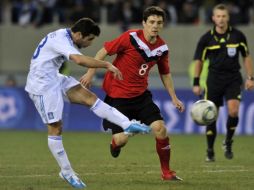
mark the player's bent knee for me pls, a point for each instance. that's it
(120, 139)
(233, 113)
(159, 130)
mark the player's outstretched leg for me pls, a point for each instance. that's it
(73, 180)
(111, 114)
(137, 127)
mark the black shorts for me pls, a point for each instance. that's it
(142, 108)
(219, 87)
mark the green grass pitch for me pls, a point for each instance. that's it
(26, 163)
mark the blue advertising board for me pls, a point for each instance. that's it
(18, 112)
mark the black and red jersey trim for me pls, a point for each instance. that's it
(144, 50)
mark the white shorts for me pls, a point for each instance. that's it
(50, 103)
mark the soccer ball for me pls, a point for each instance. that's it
(204, 112)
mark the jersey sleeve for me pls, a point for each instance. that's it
(65, 48)
(200, 53)
(243, 46)
(163, 64)
(118, 44)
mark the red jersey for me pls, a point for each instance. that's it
(135, 57)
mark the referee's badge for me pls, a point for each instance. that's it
(231, 51)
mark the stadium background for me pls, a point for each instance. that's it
(25, 22)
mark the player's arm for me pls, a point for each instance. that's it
(87, 78)
(169, 85)
(90, 62)
(100, 55)
(248, 64)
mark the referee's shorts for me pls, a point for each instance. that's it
(228, 88)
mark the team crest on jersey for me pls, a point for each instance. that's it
(159, 53)
(231, 51)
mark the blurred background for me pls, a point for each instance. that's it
(23, 23)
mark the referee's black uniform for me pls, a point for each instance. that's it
(222, 51)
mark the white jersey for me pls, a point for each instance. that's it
(53, 50)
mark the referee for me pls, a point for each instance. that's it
(221, 46)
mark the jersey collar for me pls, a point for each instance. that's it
(69, 36)
(68, 30)
(221, 40)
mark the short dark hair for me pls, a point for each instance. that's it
(86, 26)
(153, 10)
(221, 7)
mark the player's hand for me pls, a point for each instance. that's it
(178, 104)
(249, 84)
(197, 90)
(117, 73)
(86, 80)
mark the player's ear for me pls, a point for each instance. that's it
(143, 22)
(77, 35)
(80, 35)
(213, 18)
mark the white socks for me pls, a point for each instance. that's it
(56, 147)
(109, 113)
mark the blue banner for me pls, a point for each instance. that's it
(182, 122)
(18, 112)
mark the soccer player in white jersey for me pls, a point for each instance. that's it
(48, 88)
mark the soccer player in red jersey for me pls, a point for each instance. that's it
(137, 51)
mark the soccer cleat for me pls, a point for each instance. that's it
(170, 176)
(227, 146)
(73, 180)
(115, 152)
(210, 156)
(136, 127)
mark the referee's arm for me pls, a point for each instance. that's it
(248, 64)
(199, 57)
(197, 72)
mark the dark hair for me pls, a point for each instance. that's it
(221, 7)
(153, 10)
(86, 26)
